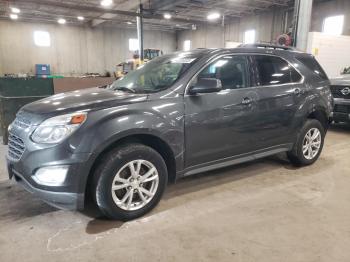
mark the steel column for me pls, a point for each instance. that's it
(303, 9)
(139, 21)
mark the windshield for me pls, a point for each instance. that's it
(156, 75)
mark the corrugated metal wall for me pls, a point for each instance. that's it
(74, 50)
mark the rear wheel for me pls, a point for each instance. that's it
(129, 181)
(309, 144)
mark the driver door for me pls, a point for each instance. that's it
(221, 124)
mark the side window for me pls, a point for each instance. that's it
(275, 71)
(311, 63)
(231, 70)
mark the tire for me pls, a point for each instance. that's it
(296, 155)
(116, 168)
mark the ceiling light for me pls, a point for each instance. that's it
(129, 23)
(15, 10)
(13, 16)
(61, 21)
(80, 18)
(106, 2)
(167, 16)
(213, 16)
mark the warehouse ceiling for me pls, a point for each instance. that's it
(122, 13)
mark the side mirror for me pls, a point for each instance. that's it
(206, 85)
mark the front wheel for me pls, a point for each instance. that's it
(309, 144)
(129, 181)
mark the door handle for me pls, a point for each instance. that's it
(247, 101)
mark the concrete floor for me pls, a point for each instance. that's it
(267, 211)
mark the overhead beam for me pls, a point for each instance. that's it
(103, 10)
(50, 20)
(272, 2)
(127, 5)
(165, 4)
(77, 7)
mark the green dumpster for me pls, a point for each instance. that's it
(17, 92)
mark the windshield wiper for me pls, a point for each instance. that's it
(124, 88)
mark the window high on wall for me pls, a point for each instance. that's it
(249, 37)
(133, 44)
(42, 38)
(333, 25)
(187, 45)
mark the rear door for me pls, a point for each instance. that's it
(280, 93)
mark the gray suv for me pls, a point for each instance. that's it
(177, 115)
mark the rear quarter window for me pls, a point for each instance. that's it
(273, 70)
(311, 63)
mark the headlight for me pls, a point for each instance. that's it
(55, 129)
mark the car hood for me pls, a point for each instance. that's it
(86, 99)
(342, 80)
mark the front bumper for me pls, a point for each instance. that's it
(61, 200)
(69, 195)
(341, 112)
(25, 158)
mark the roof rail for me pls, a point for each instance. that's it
(267, 46)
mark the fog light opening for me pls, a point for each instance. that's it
(51, 176)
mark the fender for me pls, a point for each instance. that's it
(312, 104)
(162, 119)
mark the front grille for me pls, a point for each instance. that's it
(336, 92)
(342, 109)
(16, 147)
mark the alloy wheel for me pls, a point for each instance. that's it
(312, 143)
(135, 185)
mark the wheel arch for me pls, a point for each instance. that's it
(152, 141)
(321, 116)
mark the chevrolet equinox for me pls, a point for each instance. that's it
(177, 115)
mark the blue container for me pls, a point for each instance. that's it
(42, 70)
